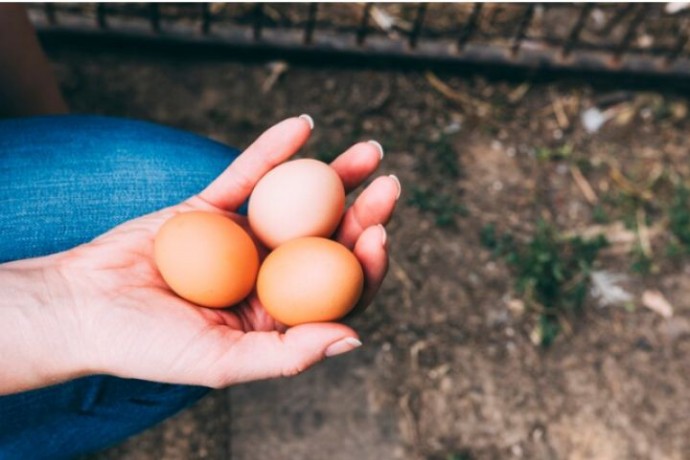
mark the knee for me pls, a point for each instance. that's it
(154, 158)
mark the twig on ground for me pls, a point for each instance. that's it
(558, 110)
(628, 186)
(412, 421)
(414, 353)
(453, 95)
(277, 68)
(402, 276)
(518, 93)
(379, 101)
(584, 185)
(643, 232)
(620, 239)
(656, 174)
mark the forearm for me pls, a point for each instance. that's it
(36, 343)
(27, 83)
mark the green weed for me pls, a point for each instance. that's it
(499, 244)
(443, 162)
(674, 250)
(446, 158)
(599, 214)
(559, 153)
(679, 216)
(444, 207)
(641, 262)
(460, 456)
(551, 273)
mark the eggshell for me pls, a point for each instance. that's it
(309, 280)
(296, 199)
(206, 258)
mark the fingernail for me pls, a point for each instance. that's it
(342, 346)
(378, 146)
(308, 119)
(397, 181)
(384, 235)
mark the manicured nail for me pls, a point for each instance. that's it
(342, 346)
(384, 235)
(378, 146)
(308, 119)
(397, 181)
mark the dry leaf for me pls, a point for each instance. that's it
(456, 96)
(607, 290)
(655, 301)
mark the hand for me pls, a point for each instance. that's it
(115, 315)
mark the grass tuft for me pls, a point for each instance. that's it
(552, 274)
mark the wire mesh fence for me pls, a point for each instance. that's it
(635, 38)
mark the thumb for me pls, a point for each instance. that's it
(262, 355)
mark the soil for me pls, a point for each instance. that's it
(449, 368)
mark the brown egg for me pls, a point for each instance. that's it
(309, 280)
(206, 258)
(296, 199)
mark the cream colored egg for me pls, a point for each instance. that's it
(296, 199)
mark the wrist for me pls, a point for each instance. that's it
(39, 341)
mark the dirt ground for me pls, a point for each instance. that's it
(449, 368)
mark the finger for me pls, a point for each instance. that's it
(262, 355)
(229, 190)
(372, 254)
(357, 163)
(374, 206)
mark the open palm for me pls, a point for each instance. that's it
(130, 324)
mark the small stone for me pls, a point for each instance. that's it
(452, 128)
(516, 306)
(592, 120)
(679, 110)
(516, 450)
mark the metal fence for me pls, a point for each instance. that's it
(631, 39)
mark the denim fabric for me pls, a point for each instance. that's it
(63, 181)
(67, 179)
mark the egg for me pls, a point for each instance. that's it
(206, 258)
(296, 199)
(308, 280)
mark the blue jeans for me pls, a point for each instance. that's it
(63, 181)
